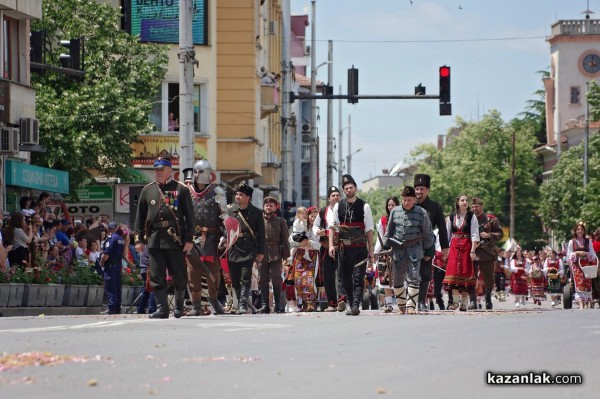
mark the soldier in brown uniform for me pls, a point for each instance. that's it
(490, 232)
(165, 219)
(277, 248)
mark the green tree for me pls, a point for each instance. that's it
(477, 161)
(564, 201)
(89, 124)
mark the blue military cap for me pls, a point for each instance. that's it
(161, 163)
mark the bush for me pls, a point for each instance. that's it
(80, 276)
(19, 275)
(131, 277)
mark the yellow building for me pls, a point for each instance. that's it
(248, 63)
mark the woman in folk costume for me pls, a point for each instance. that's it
(537, 281)
(305, 263)
(463, 231)
(519, 266)
(553, 269)
(384, 264)
(580, 253)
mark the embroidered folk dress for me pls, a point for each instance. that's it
(462, 231)
(518, 278)
(583, 286)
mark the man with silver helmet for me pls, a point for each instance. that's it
(210, 203)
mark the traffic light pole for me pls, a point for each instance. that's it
(294, 96)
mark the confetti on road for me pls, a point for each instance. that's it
(211, 359)
(28, 359)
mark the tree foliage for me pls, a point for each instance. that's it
(89, 124)
(477, 162)
(564, 200)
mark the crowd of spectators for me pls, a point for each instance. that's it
(36, 237)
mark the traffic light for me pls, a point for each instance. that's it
(352, 85)
(445, 105)
(36, 44)
(73, 59)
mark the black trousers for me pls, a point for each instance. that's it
(329, 281)
(241, 274)
(425, 274)
(500, 280)
(351, 277)
(162, 260)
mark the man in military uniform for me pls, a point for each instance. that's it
(210, 203)
(329, 264)
(436, 217)
(277, 248)
(165, 219)
(112, 257)
(410, 236)
(249, 247)
(353, 218)
(490, 232)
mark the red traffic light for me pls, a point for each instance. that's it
(444, 71)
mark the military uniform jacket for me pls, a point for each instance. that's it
(410, 225)
(486, 250)
(156, 216)
(437, 219)
(249, 243)
(276, 235)
(208, 225)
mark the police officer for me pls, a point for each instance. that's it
(165, 219)
(111, 263)
(249, 247)
(210, 203)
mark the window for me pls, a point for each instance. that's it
(10, 45)
(165, 115)
(575, 91)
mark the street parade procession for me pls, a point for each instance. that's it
(199, 255)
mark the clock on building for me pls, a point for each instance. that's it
(589, 62)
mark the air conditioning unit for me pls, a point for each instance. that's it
(30, 131)
(272, 28)
(9, 141)
(306, 127)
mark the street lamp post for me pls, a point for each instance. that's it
(340, 135)
(349, 160)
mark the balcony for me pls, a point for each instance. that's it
(576, 27)
(305, 153)
(269, 100)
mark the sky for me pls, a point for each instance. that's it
(495, 50)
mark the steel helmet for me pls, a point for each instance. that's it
(202, 171)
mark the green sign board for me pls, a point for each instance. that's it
(24, 175)
(95, 193)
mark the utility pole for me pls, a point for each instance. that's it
(349, 161)
(512, 186)
(314, 167)
(330, 116)
(340, 165)
(286, 192)
(587, 136)
(187, 59)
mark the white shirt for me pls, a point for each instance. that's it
(333, 219)
(458, 222)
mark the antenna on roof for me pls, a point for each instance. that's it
(587, 12)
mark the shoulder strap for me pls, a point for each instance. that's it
(246, 223)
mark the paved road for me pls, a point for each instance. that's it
(302, 355)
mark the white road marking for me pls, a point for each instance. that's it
(100, 324)
(243, 326)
